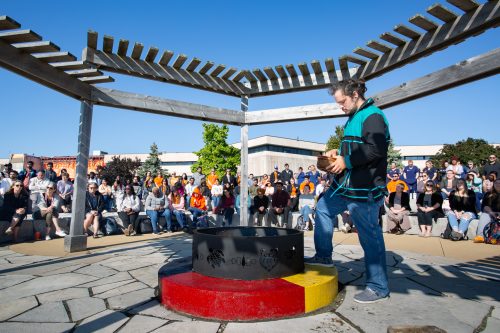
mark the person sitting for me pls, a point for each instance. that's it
(429, 207)
(280, 205)
(422, 180)
(158, 180)
(6, 183)
(15, 208)
(205, 192)
(50, 174)
(398, 221)
(490, 211)
(211, 179)
(321, 188)
(391, 186)
(471, 167)
(65, 191)
(293, 190)
(260, 204)
(117, 191)
(286, 175)
(226, 206)
(308, 183)
(197, 206)
(263, 181)
(462, 210)
(216, 192)
(106, 193)
(488, 182)
(184, 180)
(94, 206)
(306, 207)
(38, 185)
(456, 167)
(174, 179)
(314, 176)
(189, 188)
(393, 170)
(27, 174)
(431, 171)
(475, 183)
(275, 176)
(300, 176)
(177, 205)
(493, 165)
(252, 189)
(47, 208)
(128, 211)
(156, 206)
(448, 184)
(237, 202)
(347, 223)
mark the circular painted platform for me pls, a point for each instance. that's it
(207, 297)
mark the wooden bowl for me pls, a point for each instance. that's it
(324, 162)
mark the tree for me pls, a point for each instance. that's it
(123, 167)
(152, 163)
(216, 153)
(334, 140)
(475, 150)
(394, 155)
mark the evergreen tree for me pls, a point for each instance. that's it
(475, 150)
(334, 140)
(394, 155)
(152, 163)
(216, 153)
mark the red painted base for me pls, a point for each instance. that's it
(223, 299)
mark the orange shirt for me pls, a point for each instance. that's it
(293, 193)
(311, 187)
(158, 181)
(198, 202)
(211, 180)
(391, 186)
(173, 180)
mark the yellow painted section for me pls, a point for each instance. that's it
(320, 285)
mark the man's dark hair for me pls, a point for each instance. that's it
(348, 87)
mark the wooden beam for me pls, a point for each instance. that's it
(137, 51)
(281, 72)
(37, 47)
(291, 70)
(355, 60)
(330, 65)
(217, 70)
(250, 77)
(166, 107)
(388, 37)
(378, 46)
(465, 5)
(270, 73)
(92, 39)
(442, 13)
(165, 58)
(181, 59)
(423, 22)
(258, 73)
(20, 36)
(316, 66)
(107, 43)
(239, 76)
(206, 67)
(303, 69)
(229, 73)
(122, 47)
(55, 57)
(7, 23)
(97, 79)
(13, 59)
(406, 31)
(151, 55)
(193, 64)
(365, 53)
(84, 72)
(298, 113)
(69, 65)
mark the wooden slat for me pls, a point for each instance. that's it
(151, 55)
(70, 65)
(330, 65)
(193, 64)
(465, 5)
(97, 79)
(239, 76)
(92, 39)
(423, 22)
(406, 31)
(55, 57)
(229, 73)
(7, 23)
(84, 72)
(250, 77)
(107, 43)
(295, 113)
(291, 70)
(270, 73)
(316, 66)
(137, 51)
(442, 13)
(122, 48)
(281, 72)
(378, 46)
(165, 58)
(304, 70)
(365, 53)
(37, 47)
(218, 70)
(181, 59)
(258, 73)
(355, 60)
(388, 37)
(19, 36)
(206, 67)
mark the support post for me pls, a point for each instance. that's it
(244, 218)
(76, 241)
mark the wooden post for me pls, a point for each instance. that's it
(244, 218)
(76, 241)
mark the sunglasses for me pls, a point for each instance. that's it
(430, 184)
(17, 185)
(50, 188)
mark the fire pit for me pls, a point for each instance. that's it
(247, 253)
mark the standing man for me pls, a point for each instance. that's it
(26, 174)
(410, 175)
(493, 165)
(275, 176)
(359, 185)
(50, 174)
(198, 177)
(286, 175)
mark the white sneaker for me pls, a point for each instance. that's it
(61, 233)
(47, 237)
(9, 231)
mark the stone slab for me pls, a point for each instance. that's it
(191, 327)
(11, 280)
(11, 309)
(97, 270)
(63, 295)
(66, 269)
(81, 308)
(131, 299)
(155, 309)
(122, 290)
(492, 325)
(12, 327)
(53, 312)
(104, 322)
(142, 324)
(496, 313)
(147, 275)
(321, 323)
(101, 289)
(122, 276)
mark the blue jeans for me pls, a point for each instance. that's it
(364, 214)
(305, 211)
(180, 217)
(461, 225)
(154, 216)
(196, 214)
(215, 202)
(108, 202)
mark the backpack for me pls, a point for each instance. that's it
(110, 226)
(492, 233)
(203, 221)
(447, 234)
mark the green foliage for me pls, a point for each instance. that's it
(216, 153)
(394, 155)
(152, 163)
(475, 150)
(334, 140)
(123, 167)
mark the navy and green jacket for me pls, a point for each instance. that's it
(364, 147)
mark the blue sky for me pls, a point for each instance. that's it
(242, 34)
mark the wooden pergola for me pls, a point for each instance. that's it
(25, 52)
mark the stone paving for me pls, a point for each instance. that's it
(113, 290)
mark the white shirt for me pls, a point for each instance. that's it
(216, 190)
(189, 189)
(319, 189)
(38, 185)
(5, 185)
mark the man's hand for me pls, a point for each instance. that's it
(338, 166)
(331, 153)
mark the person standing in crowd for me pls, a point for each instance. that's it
(492, 166)
(431, 171)
(136, 184)
(280, 205)
(229, 179)
(314, 175)
(158, 180)
(286, 175)
(148, 177)
(7, 168)
(442, 171)
(174, 179)
(275, 176)
(393, 170)
(50, 174)
(429, 207)
(300, 176)
(422, 179)
(410, 175)
(47, 208)
(15, 208)
(307, 203)
(164, 188)
(359, 186)
(293, 191)
(398, 221)
(261, 205)
(27, 174)
(211, 179)
(65, 192)
(184, 179)
(128, 211)
(462, 210)
(320, 188)
(198, 176)
(94, 206)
